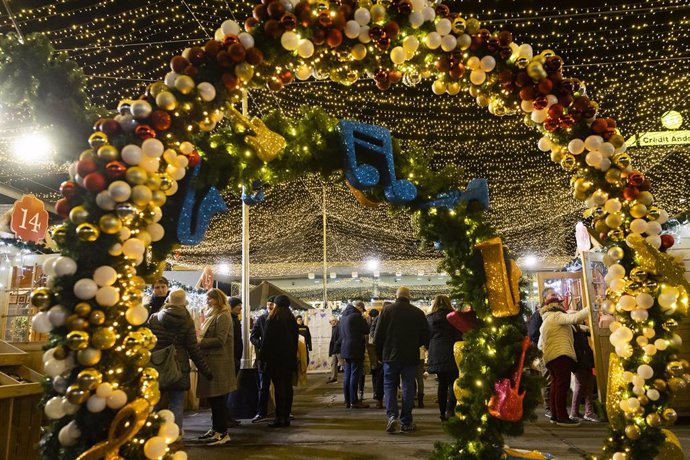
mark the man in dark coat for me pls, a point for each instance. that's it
(160, 293)
(173, 325)
(256, 338)
(334, 349)
(353, 329)
(402, 328)
(238, 348)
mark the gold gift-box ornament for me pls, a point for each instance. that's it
(502, 284)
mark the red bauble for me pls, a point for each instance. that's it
(636, 179)
(237, 53)
(318, 37)
(457, 70)
(381, 75)
(160, 120)
(275, 10)
(289, 21)
(646, 186)
(194, 158)
(476, 42)
(567, 121)
(553, 64)
(599, 126)
(505, 52)
(230, 81)
(667, 241)
(485, 35)
(85, 167)
(551, 124)
(339, 21)
(556, 111)
(259, 12)
(95, 182)
(324, 20)
(68, 189)
(405, 7)
(611, 123)
(212, 47)
(376, 33)
(274, 84)
(631, 193)
(144, 132)
(110, 127)
(115, 169)
(392, 29)
(191, 71)
(394, 76)
(255, 56)
(346, 11)
(334, 38)
(62, 207)
(528, 93)
(545, 86)
(493, 45)
(442, 10)
(178, 64)
(287, 76)
(383, 43)
(230, 39)
(505, 37)
(196, 55)
(522, 79)
(505, 76)
(273, 29)
(565, 101)
(540, 103)
(443, 64)
(250, 24)
(383, 86)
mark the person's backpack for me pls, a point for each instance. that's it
(583, 352)
(165, 362)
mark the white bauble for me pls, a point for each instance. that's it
(41, 323)
(612, 206)
(410, 44)
(644, 300)
(95, 404)
(362, 16)
(477, 77)
(289, 40)
(57, 315)
(429, 13)
(47, 266)
(605, 164)
(131, 154)
(617, 285)
(653, 228)
(474, 63)
(152, 147)
(64, 266)
(639, 315)
(593, 158)
(649, 349)
(443, 26)
(304, 71)
(638, 391)
(170, 78)
(104, 390)
(551, 100)
(464, 41)
(65, 437)
(416, 19)
(169, 431)
(150, 165)
(654, 241)
(621, 336)
(136, 316)
(398, 55)
(525, 50)
(247, 40)
(526, 106)
(607, 149)
(167, 415)
(133, 247)
(85, 289)
(120, 191)
(117, 399)
(638, 381)
(175, 172)
(488, 63)
(627, 302)
(432, 40)
(616, 271)
(449, 43)
(156, 231)
(69, 408)
(107, 296)
(218, 35)
(352, 29)
(663, 216)
(545, 144)
(180, 455)
(230, 27)
(653, 394)
(140, 109)
(638, 226)
(593, 142)
(624, 351)
(364, 34)
(54, 367)
(105, 275)
(645, 371)
(155, 447)
(661, 344)
(538, 116)
(305, 49)
(53, 408)
(105, 201)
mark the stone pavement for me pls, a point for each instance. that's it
(324, 429)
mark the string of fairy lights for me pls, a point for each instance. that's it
(632, 55)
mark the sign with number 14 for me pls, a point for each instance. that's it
(29, 219)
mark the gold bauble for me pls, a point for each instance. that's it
(674, 368)
(89, 357)
(613, 176)
(89, 379)
(616, 234)
(632, 432)
(653, 213)
(151, 393)
(77, 324)
(156, 88)
(644, 400)
(638, 210)
(103, 338)
(638, 274)
(41, 298)
(136, 175)
(133, 340)
(676, 384)
(670, 449)
(98, 140)
(617, 140)
(108, 153)
(60, 353)
(600, 226)
(166, 181)
(148, 214)
(153, 181)
(77, 340)
(137, 283)
(244, 71)
(88, 232)
(622, 160)
(110, 224)
(568, 162)
(140, 356)
(158, 198)
(669, 415)
(685, 364)
(651, 285)
(97, 317)
(76, 395)
(87, 154)
(141, 195)
(148, 338)
(149, 374)
(660, 384)
(654, 420)
(78, 215)
(616, 253)
(82, 309)
(58, 233)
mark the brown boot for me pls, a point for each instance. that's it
(360, 405)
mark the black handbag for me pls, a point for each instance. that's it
(165, 362)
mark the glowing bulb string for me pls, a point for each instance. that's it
(126, 45)
(196, 19)
(14, 22)
(656, 9)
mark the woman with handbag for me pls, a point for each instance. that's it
(441, 357)
(279, 352)
(174, 329)
(217, 345)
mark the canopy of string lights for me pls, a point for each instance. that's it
(634, 53)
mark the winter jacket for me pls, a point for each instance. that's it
(334, 345)
(256, 337)
(155, 304)
(217, 345)
(533, 327)
(173, 325)
(556, 332)
(237, 332)
(585, 356)
(279, 347)
(353, 327)
(400, 331)
(443, 338)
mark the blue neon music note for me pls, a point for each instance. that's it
(369, 161)
(477, 190)
(196, 212)
(256, 196)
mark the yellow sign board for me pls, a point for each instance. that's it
(659, 138)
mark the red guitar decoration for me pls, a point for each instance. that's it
(506, 403)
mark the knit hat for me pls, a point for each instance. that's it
(282, 301)
(373, 313)
(234, 301)
(271, 299)
(178, 297)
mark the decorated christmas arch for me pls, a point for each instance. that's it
(150, 178)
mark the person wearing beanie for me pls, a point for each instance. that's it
(556, 343)
(353, 329)
(173, 325)
(256, 338)
(279, 353)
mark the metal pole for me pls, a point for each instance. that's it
(244, 288)
(325, 250)
(14, 22)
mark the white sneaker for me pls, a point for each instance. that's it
(218, 439)
(208, 435)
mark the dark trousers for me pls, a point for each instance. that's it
(560, 369)
(218, 413)
(282, 381)
(264, 395)
(377, 379)
(446, 395)
(394, 371)
(353, 371)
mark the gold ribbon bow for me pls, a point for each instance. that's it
(126, 424)
(501, 284)
(655, 262)
(266, 143)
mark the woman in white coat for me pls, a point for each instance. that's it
(556, 342)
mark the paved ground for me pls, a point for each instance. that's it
(324, 429)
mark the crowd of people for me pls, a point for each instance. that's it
(391, 345)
